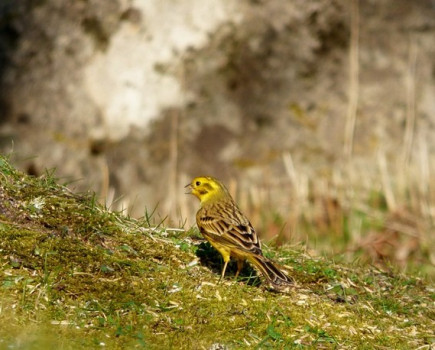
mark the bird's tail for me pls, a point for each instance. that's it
(276, 278)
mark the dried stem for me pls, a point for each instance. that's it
(410, 105)
(173, 160)
(353, 80)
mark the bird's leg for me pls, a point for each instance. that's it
(239, 267)
(223, 270)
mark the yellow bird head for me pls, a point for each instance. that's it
(207, 188)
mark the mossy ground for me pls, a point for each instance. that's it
(74, 275)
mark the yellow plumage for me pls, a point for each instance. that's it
(222, 223)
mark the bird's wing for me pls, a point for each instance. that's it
(227, 225)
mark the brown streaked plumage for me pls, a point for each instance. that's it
(226, 228)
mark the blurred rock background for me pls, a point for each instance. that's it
(319, 115)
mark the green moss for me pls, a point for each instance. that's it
(74, 274)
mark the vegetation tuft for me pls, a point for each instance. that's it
(73, 274)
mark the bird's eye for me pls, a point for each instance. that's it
(197, 183)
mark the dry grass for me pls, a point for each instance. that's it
(378, 214)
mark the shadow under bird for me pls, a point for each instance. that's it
(221, 222)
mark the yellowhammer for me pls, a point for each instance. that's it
(222, 223)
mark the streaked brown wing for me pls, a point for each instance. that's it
(225, 223)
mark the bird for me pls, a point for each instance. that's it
(224, 226)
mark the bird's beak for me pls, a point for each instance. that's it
(189, 188)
